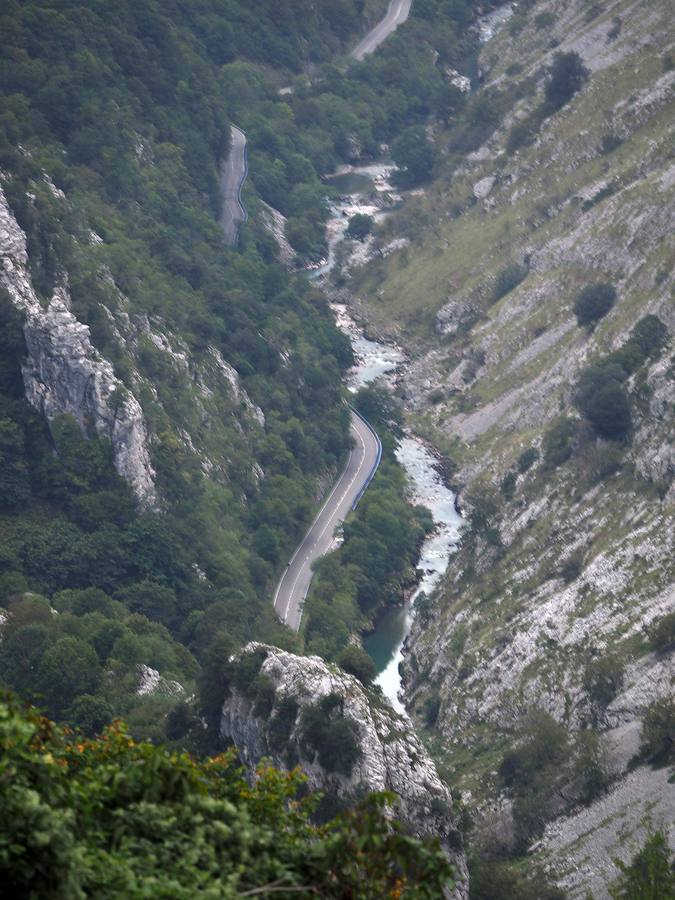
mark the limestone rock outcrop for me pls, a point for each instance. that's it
(64, 373)
(392, 756)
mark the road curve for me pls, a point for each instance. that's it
(361, 465)
(396, 15)
(233, 172)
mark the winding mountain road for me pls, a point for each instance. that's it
(233, 172)
(396, 15)
(362, 464)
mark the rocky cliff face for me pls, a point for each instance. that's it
(64, 373)
(392, 757)
(576, 562)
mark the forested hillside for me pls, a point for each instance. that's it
(114, 120)
(217, 375)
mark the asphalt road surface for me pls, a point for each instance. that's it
(233, 172)
(398, 12)
(294, 585)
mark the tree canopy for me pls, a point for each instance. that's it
(110, 817)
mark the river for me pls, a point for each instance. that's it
(362, 189)
(385, 644)
(387, 362)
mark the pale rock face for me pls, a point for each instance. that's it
(151, 682)
(275, 223)
(461, 82)
(580, 848)
(482, 188)
(64, 373)
(393, 758)
(232, 377)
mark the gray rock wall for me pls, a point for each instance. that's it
(64, 373)
(393, 758)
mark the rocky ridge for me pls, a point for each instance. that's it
(64, 373)
(577, 564)
(392, 756)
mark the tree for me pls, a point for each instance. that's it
(20, 653)
(415, 155)
(67, 669)
(151, 599)
(594, 302)
(603, 677)
(566, 77)
(14, 487)
(91, 714)
(650, 874)
(359, 227)
(602, 398)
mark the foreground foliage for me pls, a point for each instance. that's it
(110, 817)
(650, 874)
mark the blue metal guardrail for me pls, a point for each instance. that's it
(378, 459)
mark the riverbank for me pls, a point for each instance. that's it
(386, 364)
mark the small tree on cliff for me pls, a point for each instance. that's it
(359, 227)
(566, 77)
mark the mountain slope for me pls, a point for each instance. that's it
(560, 434)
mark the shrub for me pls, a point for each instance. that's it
(662, 636)
(594, 302)
(359, 227)
(483, 503)
(356, 661)
(508, 485)
(521, 134)
(559, 441)
(572, 567)
(544, 743)
(602, 399)
(264, 696)
(517, 24)
(282, 723)
(432, 707)
(499, 880)
(532, 771)
(544, 20)
(650, 875)
(527, 459)
(326, 732)
(602, 678)
(600, 462)
(566, 77)
(609, 143)
(111, 817)
(508, 279)
(658, 731)
(598, 197)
